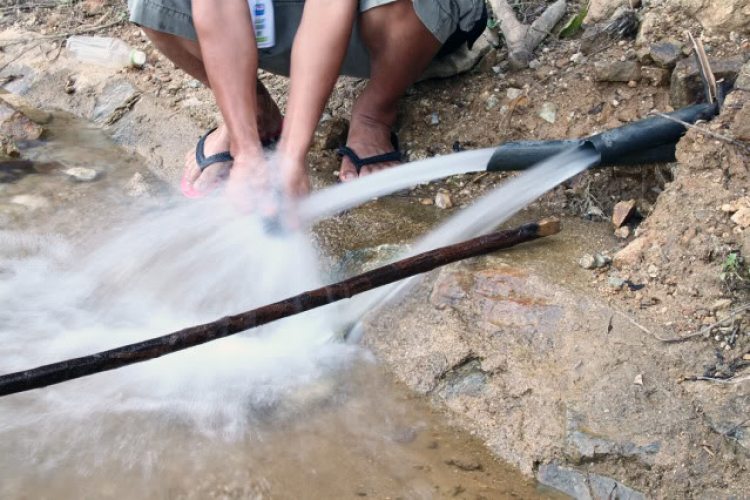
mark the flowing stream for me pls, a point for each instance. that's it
(282, 412)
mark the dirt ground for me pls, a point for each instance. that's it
(666, 418)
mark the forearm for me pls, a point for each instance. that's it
(230, 56)
(317, 55)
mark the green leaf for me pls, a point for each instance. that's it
(574, 25)
(492, 23)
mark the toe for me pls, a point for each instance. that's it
(348, 171)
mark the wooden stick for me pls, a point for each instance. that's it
(63, 371)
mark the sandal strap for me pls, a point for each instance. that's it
(393, 156)
(200, 156)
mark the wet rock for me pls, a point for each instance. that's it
(330, 134)
(622, 212)
(617, 71)
(16, 126)
(22, 105)
(686, 87)
(82, 174)
(657, 77)
(443, 200)
(465, 465)
(666, 54)
(31, 201)
(457, 62)
(581, 486)
(631, 254)
(721, 16)
(116, 98)
(548, 112)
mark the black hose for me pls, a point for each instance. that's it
(653, 140)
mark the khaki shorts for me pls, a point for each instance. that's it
(448, 20)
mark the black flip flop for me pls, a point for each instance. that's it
(393, 156)
(204, 163)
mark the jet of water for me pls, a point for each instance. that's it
(490, 211)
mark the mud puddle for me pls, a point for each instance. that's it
(231, 420)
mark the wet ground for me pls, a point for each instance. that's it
(346, 431)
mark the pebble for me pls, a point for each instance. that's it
(82, 174)
(638, 379)
(514, 93)
(31, 201)
(435, 119)
(653, 271)
(616, 282)
(443, 200)
(623, 232)
(492, 102)
(577, 58)
(727, 347)
(194, 84)
(535, 64)
(746, 357)
(427, 201)
(548, 112)
(587, 262)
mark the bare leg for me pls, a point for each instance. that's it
(400, 49)
(186, 54)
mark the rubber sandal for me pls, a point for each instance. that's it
(359, 163)
(204, 162)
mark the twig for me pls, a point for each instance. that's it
(708, 328)
(63, 371)
(719, 381)
(704, 131)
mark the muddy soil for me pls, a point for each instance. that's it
(564, 372)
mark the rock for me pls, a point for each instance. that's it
(535, 64)
(744, 79)
(616, 282)
(742, 217)
(513, 93)
(687, 87)
(657, 77)
(638, 379)
(582, 486)
(492, 102)
(623, 210)
(666, 54)
(31, 201)
(82, 174)
(93, 7)
(623, 232)
(194, 84)
(116, 98)
(330, 134)
(631, 254)
(16, 126)
(617, 71)
(721, 305)
(602, 260)
(427, 201)
(22, 105)
(746, 357)
(457, 62)
(602, 10)
(653, 271)
(577, 58)
(548, 112)
(741, 126)
(722, 16)
(435, 119)
(443, 200)
(587, 262)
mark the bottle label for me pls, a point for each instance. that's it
(263, 22)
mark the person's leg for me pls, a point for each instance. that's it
(400, 48)
(186, 55)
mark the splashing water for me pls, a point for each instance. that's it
(181, 266)
(490, 211)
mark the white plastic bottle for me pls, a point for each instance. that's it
(111, 52)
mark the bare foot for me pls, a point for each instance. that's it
(199, 181)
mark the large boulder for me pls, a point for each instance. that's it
(720, 15)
